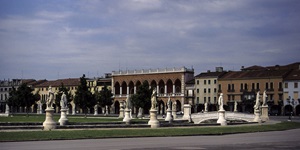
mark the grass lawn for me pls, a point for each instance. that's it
(41, 118)
(117, 133)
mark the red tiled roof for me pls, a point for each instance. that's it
(294, 75)
(255, 74)
(210, 74)
(57, 83)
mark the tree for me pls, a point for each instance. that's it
(104, 97)
(23, 97)
(142, 98)
(62, 89)
(84, 99)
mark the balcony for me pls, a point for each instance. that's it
(230, 91)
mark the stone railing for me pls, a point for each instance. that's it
(150, 71)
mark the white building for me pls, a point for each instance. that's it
(291, 92)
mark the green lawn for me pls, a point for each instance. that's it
(41, 118)
(117, 133)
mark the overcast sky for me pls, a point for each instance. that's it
(44, 39)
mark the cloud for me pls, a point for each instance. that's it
(100, 36)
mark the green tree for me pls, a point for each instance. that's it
(23, 97)
(62, 89)
(84, 99)
(142, 98)
(104, 97)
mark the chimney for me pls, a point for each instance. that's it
(219, 69)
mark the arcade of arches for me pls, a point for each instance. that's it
(169, 85)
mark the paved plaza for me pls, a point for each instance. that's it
(265, 140)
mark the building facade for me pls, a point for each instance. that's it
(169, 82)
(207, 89)
(291, 94)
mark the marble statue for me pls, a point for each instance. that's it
(63, 101)
(220, 102)
(256, 106)
(169, 103)
(50, 99)
(153, 99)
(235, 106)
(264, 99)
(127, 102)
(205, 106)
(174, 106)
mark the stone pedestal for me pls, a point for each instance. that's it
(264, 113)
(174, 114)
(221, 118)
(7, 109)
(49, 123)
(63, 117)
(169, 115)
(153, 119)
(257, 116)
(140, 114)
(187, 111)
(127, 118)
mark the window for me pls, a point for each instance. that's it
(215, 90)
(197, 82)
(253, 86)
(232, 86)
(286, 85)
(208, 90)
(209, 99)
(267, 85)
(204, 90)
(197, 90)
(215, 81)
(204, 81)
(257, 86)
(215, 100)
(296, 85)
(208, 81)
(242, 87)
(280, 85)
(229, 87)
(271, 85)
(204, 99)
(246, 86)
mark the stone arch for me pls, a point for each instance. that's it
(117, 107)
(161, 107)
(153, 84)
(161, 86)
(117, 88)
(169, 86)
(178, 105)
(177, 86)
(138, 83)
(124, 88)
(131, 87)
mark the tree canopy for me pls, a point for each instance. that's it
(84, 99)
(22, 97)
(104, 97)
(142, 98)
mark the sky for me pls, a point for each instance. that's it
(42, 39)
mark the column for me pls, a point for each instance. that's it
(127, 92)
(157, 89)
(121, 91)
(134, 89)
(174, 90)
(165, 90)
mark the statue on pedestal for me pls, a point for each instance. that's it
(256, 106)
(264, 99)
(169, 103)
(220, 102)
(206, 107)
(153, 99)
(63, 101)
(235, 106)
(50, 99)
